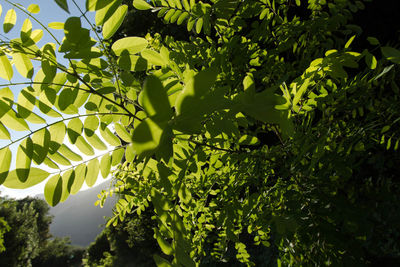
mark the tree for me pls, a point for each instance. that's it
(130, 243)
(265, 128)
(27, 240)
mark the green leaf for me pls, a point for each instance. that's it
(35, 177)
(161, 262)
(5, 163)
(92, 172)
(166, 248)
(347, 45)
(248, 140)
(33, 8)
(141, 5)
(6, 71)
(90, 125)
(154, 100)
(84, 146)
(373, 40)
(391, 54)
(56, 25)
(60, 159)
(153, 57)
(301, 91)
(103, 14)
(199, 25)
(23, 65)
(24, 159)
(123, 133)
(105, 165)
(195, 89)
(57, 135)
(114, 22)
(371, 61)
(75, 127)
(13, 121)
(111, 138)
(146, 137)
(80, 173)
(117, 156)
(9, 20)
(68, 178)
(132, 45)
(63, 4)
(41, 143)
(49, 66)
(4, 133)
(69, 154)
(130, 153)
(53, 190)
(93, 5)
(96, 142)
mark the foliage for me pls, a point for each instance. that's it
(59, 252)
(266, 125)
(130, 243)
(27, 241)
(4, 228)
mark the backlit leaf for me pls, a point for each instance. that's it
(24, 159)
(105, 165)
(41, 142)
(23, 65)
(68, 153)
(146, 137)
(53, 190)
(141, 5)
(84, 146)
(80, 173)
(114, 22)
(5, 163)
(154, 100)
(9, 20)
(33, 8)
(92, 172)
(123, 133)
(75, 127)
(35, 177)
(132, 45)
(6, 71)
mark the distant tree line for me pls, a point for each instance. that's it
(25, 238)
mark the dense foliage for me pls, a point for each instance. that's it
(130, 243)
(28, 241)
(265, 125)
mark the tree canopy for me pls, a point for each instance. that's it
(268, 123)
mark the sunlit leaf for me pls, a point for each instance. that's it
(154, 99)
(9, 20)
(92, 173)
(105, 165)
(35, 177)
(5, 163)
(6, 71)
(23, 65)
(84, 146)
(33, 8)
(114, 22)
(131, 44)
(141, 5)
(41, 143)
(53, 190)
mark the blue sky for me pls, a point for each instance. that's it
(50, 12)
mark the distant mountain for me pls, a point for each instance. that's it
(79, 218)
